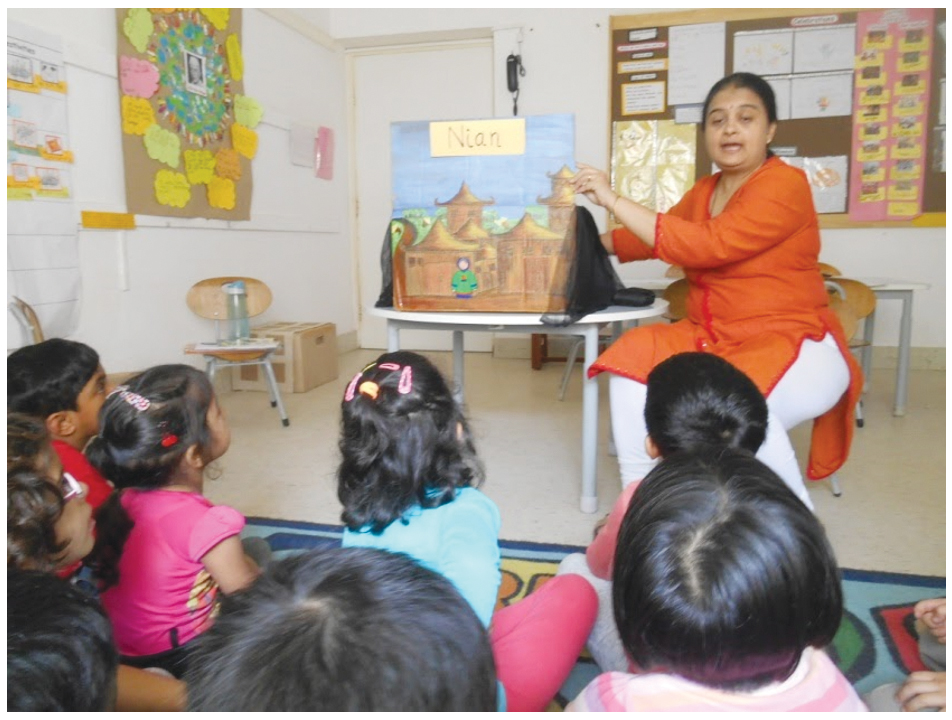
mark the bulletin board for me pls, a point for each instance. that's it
(860, 99)
(188, 134)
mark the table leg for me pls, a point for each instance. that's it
(458, 365)
(866, 354)
(589, 500)
(905, 341)
(393, 336)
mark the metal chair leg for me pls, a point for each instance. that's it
(275, 392)
(835, 485)
(569, 365)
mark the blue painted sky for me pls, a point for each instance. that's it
(512, 180)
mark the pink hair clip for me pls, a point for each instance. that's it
(389, 366)
(137, 401)
(349, 395)
(406, 380)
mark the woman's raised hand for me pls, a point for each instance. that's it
(594, 184)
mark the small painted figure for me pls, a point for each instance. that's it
(464, 279)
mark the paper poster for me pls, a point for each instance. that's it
(42, 253)
(642, 98)
(764, 52)
(823, 49)
(188, 128)
(653, 161)
(696, 61)
(893, 61)
(473, 231)
(821, 95)
(828, 177)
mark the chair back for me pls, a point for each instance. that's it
(828, 271)
(26, 315)
(677, 296)
(207, 298)
(852, 301)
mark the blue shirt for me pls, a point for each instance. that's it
(459, 540)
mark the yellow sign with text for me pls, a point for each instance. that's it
(464, 138)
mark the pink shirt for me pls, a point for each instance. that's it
(816, 685)
(601, 553)
(165, 596)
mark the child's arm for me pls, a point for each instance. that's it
(923, 690)
(141, 691)
(601, 553)
(932, 613)
(228, 565)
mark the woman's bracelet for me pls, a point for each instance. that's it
(617, 198)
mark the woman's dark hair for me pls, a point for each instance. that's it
(722, 575)
(60, 651)
(48, 377)
(34, 504)
(344, 629)
(145, 428)
(404, 442)
(697, 399)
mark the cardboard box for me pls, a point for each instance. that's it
(307, 357)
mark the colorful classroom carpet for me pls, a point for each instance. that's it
(875, 644)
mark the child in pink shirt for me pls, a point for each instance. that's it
(164, 552)
(725, 590)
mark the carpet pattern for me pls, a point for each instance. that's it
(876, 642)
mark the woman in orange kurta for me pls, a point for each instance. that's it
(748, 239)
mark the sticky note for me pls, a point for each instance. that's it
(163, 145)
(137, 115)
(108, 220)
(235, 62)
(245, 141)
(228, 164)
(248, 111)
(221, 193)
(138, 28)
(216, 16)
(172, 188)
(138, 78)
(199, 166)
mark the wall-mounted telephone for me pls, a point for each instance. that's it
(514, 69)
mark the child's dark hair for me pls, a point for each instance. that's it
(146, 427)
(404, 442)
(697, 399)
(722, 575)
(60, 651)
(48, 377)
(34, 504)
(344, 630)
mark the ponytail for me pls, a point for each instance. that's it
(113, 526)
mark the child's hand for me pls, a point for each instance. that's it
(932, 613)
(923, 690)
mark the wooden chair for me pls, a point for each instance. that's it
(207, 299)
(828, 271)
(677, 296)
(853, 302)
(26, 316)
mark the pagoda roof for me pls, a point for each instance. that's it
(465, 197)
(440, 238)
(564, 195)
(566, 173)
(529, 229)
(472, 232)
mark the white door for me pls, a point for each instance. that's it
(444, 83)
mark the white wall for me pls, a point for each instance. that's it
(297, 240)
(566, 56)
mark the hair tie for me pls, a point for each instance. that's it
(369, 388)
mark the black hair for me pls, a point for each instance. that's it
(145, 428)
(722, 575)
(60, 651)
(34, 504)
(48, 377)
(748, 81)
(344, 629)
(697, 399)
(404, 442)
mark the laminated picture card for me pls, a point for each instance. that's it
(484, 216)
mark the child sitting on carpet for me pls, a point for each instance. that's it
(344, 629)
(725, 591)
(164, 551)
(408, 482)
(694, 400)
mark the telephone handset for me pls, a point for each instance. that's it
(514, 69)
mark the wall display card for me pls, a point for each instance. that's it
(188, 130)
(783, 92)
(696, 61)
(821, 95)
(824, 49)
(484, 214)
(827, 177)
(764, 52)
(42, 254)
(643, 98)
(653, 161)
(892, 69)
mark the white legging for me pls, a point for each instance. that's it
(810, 387)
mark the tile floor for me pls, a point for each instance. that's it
(891, 515)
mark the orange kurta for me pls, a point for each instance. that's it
(755, 293)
